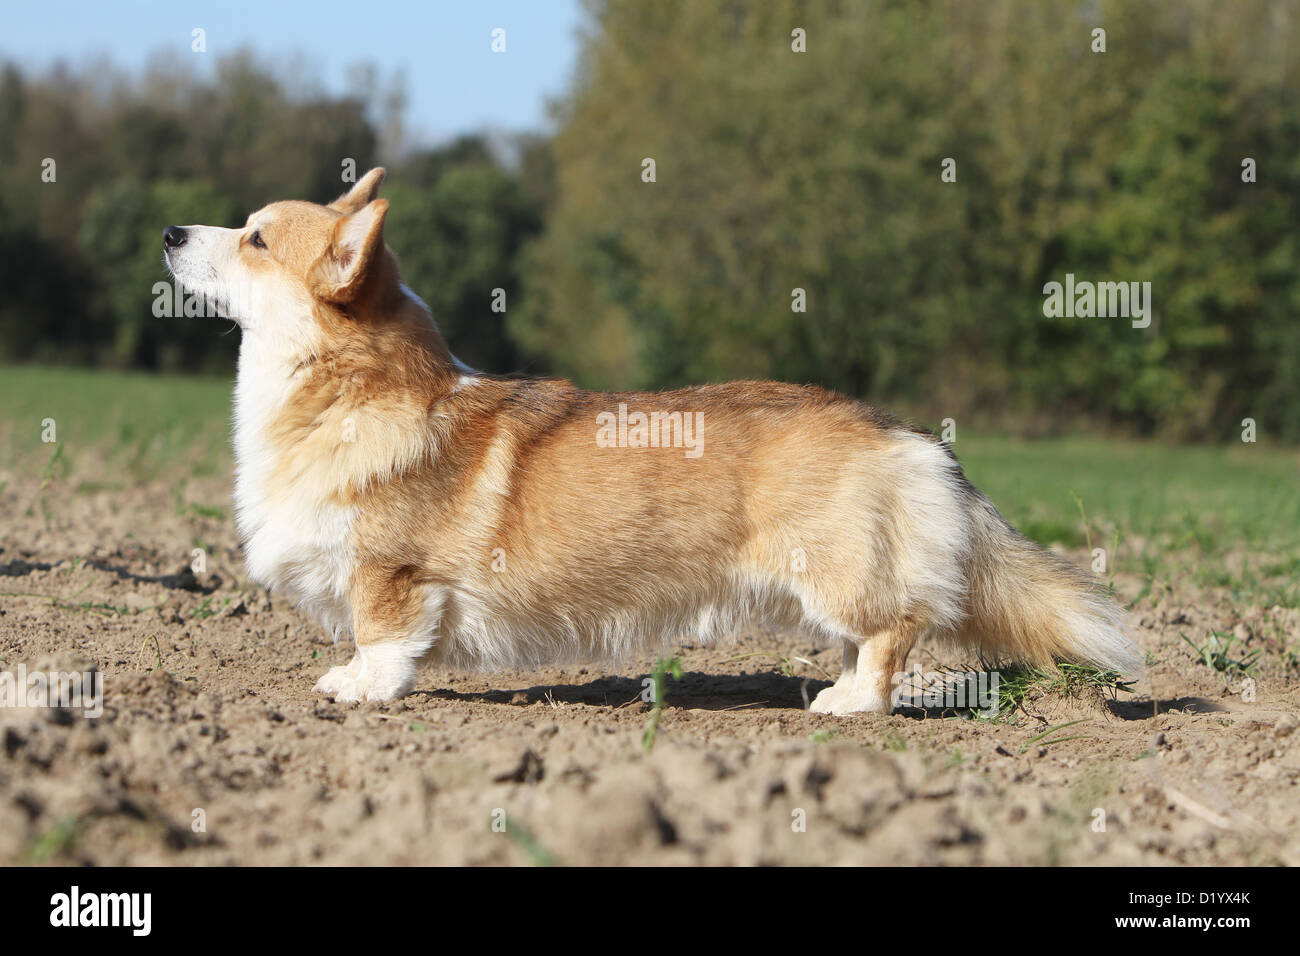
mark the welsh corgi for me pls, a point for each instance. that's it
(431, 511)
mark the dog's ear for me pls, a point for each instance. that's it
(364, 191)
(356, 247)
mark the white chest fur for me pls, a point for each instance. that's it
(295, 543)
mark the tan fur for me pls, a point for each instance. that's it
(481, 519)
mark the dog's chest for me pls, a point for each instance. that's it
(296, 541)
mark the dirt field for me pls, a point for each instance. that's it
(208, 706)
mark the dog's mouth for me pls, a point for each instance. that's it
(188, 275)
(216, 300)
(177, 272)
(176, 267)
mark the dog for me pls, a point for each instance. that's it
(483, 522)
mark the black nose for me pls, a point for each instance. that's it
(174, 237)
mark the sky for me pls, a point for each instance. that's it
(454, 81)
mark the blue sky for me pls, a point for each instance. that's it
(454, 81)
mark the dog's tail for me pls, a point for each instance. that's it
(1027, 604)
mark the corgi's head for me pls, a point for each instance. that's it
(293, 265)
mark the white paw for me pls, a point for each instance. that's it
(827, 701)
(848, 699)
(336, 678)
(376, 673)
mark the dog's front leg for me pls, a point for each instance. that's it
(392, 629)
(336, 679)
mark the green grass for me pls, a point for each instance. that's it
(1223, 516)
(523, 838)
(55, 840)
(1020, 684)
(1227, 516)
(1208, 497)
(112, 422)
(1050, 736)
(665, 667)
(1214, 652)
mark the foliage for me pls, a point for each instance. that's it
(775, 171)
(779, 170)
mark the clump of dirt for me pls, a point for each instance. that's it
(211, 748)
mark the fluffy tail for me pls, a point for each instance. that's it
(1027, 604)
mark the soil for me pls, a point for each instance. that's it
(212, 749)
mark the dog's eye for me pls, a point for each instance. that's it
(256, 240)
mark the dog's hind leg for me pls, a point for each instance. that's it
(828, 700)
(867, 680)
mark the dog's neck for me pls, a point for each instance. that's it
(353, 402)
(388, 345)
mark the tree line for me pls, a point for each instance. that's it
(871, 196)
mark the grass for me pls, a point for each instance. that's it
(1051, 736)
(145, 425)
(98, 609)
(1019, 684)
(1225, 516)
(1155, 499)
(1214, 651)
(523, 838)
(54, 841)
(205, 609)
(1201, 494)
(664, 667)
